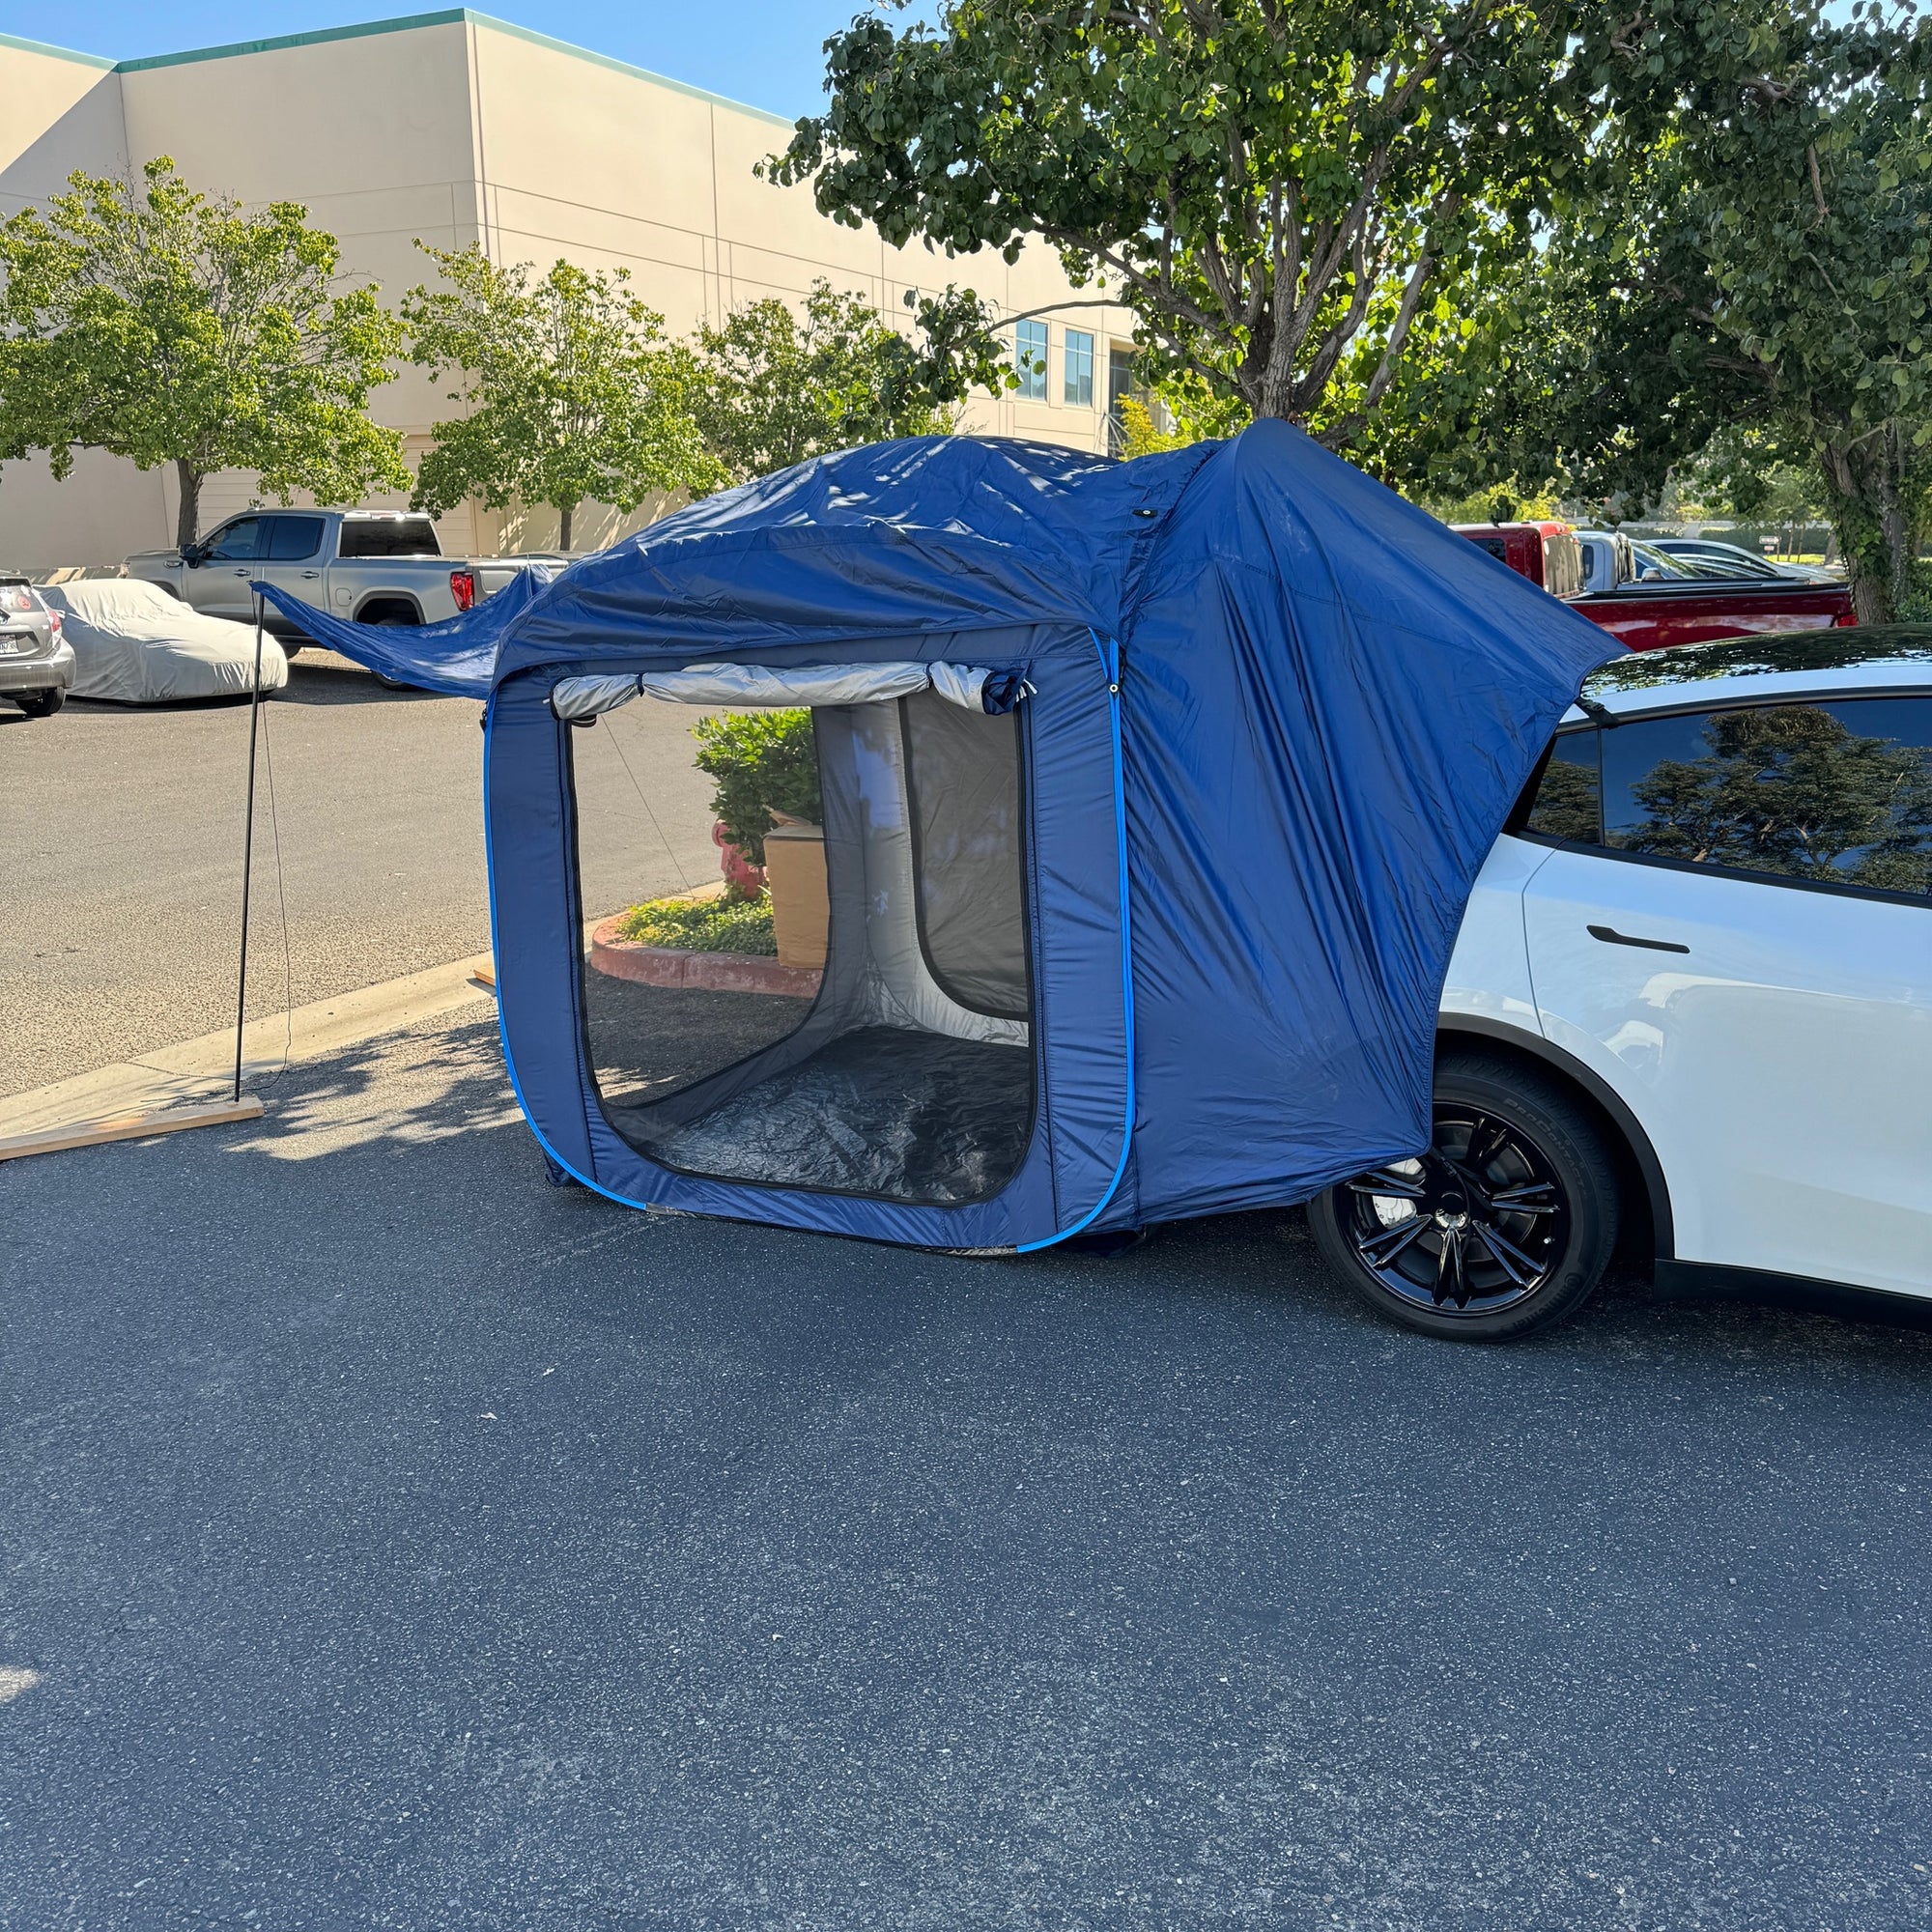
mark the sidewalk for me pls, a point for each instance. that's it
(200, 1072)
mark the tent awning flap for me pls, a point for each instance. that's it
(757, 687)
(456, 657)
(578, 700)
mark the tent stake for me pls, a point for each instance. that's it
(248, 849)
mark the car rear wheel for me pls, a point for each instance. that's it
(39, 703)
(391, 620)
(1504, 1225)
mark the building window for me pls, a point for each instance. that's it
(1030, 361)
(1079, 368)
(1121, 386)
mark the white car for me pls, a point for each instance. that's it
(135, 644)
(1741, 562)
(1691, 999)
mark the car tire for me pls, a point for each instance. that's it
(389, 621)
(1504, 1227)
(40, 703)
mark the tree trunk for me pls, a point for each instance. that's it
(188, 519)
(566, 512)
(1864, 497)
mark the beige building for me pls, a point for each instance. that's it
(454, 127)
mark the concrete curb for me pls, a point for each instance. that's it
(696, 972)
(195, 1072)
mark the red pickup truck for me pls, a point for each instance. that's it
(1671, 601)
(1649, 616)
(1546, 554)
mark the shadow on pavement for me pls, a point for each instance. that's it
(317, 677)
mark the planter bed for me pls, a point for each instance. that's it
(698, 972)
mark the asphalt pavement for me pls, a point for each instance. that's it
(119, 909)
(390, 1540)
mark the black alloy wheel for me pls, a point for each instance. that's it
(1504, 1224)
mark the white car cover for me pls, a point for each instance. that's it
(134, 643)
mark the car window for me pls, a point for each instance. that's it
(387, 536)
(238, 541)
(1832, 792)
(293, 539)
(1568, 795)
(1562, 565)
(1737, 562)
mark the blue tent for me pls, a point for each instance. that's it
(1153, 794)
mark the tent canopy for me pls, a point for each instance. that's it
(1272, 719)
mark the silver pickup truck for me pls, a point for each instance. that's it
(376, 566)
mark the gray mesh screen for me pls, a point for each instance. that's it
(963, 788)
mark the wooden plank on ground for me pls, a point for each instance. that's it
(131, 1127)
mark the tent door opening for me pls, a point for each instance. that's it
(866, 1024)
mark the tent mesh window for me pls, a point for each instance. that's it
(884, 1048)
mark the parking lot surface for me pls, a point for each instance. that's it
(120, 917)
(390, 1540)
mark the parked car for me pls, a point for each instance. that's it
(1734, 560)
(1649, 599)
(1546, 554)
(135, 644)
(1651, 564)
(1692, 998)
(36, 662)
(1606, 558)
(375, 567)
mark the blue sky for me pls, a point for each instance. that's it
(764, 53)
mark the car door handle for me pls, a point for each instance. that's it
(1610, 936)
(311, 573)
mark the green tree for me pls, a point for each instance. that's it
(1291, 196)
(174, 327)
(1759, 276)
(1751, 477)
(1194, 413)
(776, 387)
(573, 391)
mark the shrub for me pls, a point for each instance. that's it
(702, 925)
(763, 762)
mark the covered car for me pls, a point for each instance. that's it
(135, 644)
(1150, 796)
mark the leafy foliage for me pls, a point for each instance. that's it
(1755, 277)
(763, 761)
(1194, 411)
(573, 391)
(1290, 195)
(702, 925)
(170, 326)
(774, 388)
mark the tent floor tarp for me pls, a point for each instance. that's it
(893, 1111)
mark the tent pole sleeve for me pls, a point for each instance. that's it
(1110, 665)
